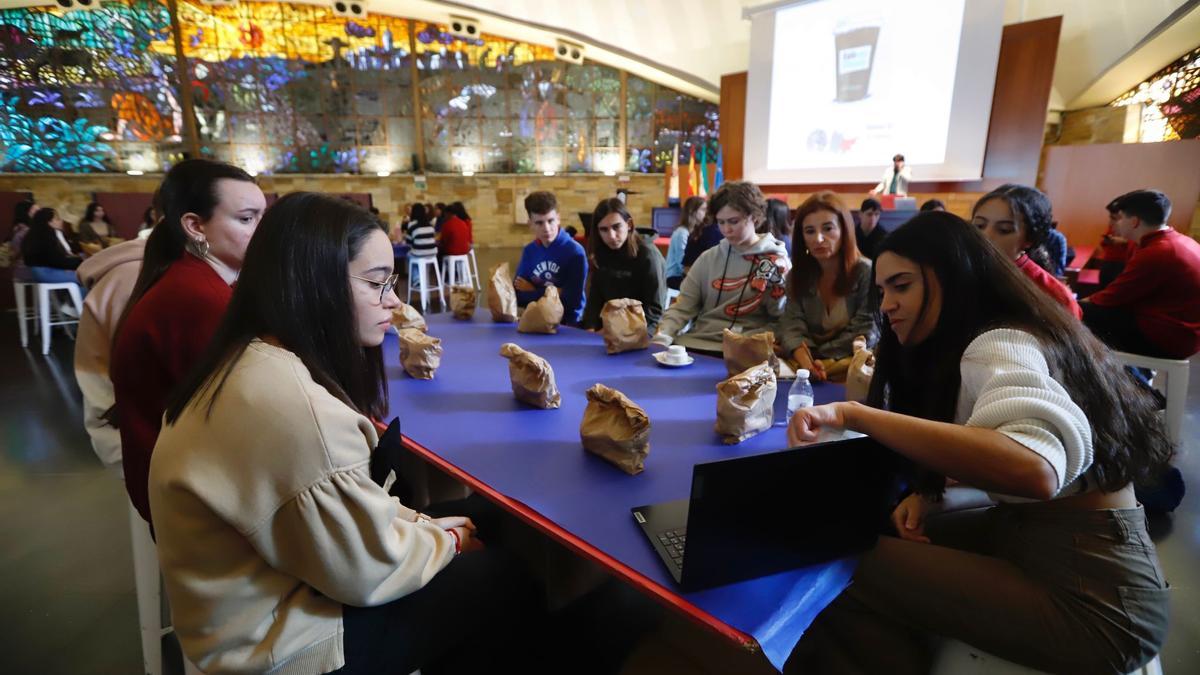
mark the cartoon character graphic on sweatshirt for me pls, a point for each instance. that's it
(766, 276)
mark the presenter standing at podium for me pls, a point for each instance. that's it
(895, 180)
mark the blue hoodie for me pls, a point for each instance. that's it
(562, 263)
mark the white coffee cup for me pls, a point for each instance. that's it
(677, 354)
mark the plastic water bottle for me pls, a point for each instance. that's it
(801, 393)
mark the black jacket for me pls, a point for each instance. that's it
(616, 276)
(41, 248)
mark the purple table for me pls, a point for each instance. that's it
(467, 422)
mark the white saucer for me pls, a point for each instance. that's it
(661, 357)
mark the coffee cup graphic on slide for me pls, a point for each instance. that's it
(854, 45)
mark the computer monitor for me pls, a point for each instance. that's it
(664, 219)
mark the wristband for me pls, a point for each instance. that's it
(457, 541)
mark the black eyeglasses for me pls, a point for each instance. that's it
(385, 286)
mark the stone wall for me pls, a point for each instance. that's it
(492, 199)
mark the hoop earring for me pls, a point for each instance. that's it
(198, 247)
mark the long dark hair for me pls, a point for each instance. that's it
(458, 209)
(295, 287)
(189, 187)
(420, 214)
(689, 209)
(21, 212)
(90, 213)
(599, 252)
(1033, 207)
(778, 220)
(806, 271)
(981, 290)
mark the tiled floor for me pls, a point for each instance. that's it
(66, 587)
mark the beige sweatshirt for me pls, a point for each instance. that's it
(268, 522)
(109, 277)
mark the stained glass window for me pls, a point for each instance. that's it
(1170, 101)
(295, 88)
(287, 88)
(658, 118)
(89, 90)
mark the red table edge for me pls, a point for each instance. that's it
(637, 579)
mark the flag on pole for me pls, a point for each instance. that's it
(673, 176)
(719, 173)
(703, 171)
(693, 189)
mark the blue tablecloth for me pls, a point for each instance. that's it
(467, 415)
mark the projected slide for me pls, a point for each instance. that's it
(856, 82)
(837, 87)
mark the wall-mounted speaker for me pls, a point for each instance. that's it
(464, 27)
(352, 8)
(568, 51)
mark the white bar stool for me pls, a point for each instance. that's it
(419, 270)
(475, 269)
(44, 307)
(147, 583)
(27, 312)
(1177, 373)
(456, 270)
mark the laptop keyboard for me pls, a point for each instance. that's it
(673, 541)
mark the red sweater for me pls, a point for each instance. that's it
(1161, 285)
(162, 338)
(1053, 287)
(456, 236)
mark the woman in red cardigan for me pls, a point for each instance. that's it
(210, 210)
(1016, 219)
(456, 237)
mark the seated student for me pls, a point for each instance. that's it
(278, 550)
(421, 237)
(623, 266)
(1152, 307)
(46, 252)
(829, 290)
(109, 277)
(96, 228)
(691, 219)
(933, 205)
(982, 379)
(867, 232)
(779, 222)
(553, 257)
(701, 238)
(456, 237)
(1114, 250)
(738, 284)
(1016, 218)
(149, 220)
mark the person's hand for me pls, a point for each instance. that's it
(662, 340)
(806, 425)
(873, 193)
(909, 518)
(522, 284)
(454, 522)
(804, 358)
(467, 540)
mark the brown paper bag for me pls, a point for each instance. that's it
(532, 377)
(542, 316)
(746, 403)
(407, 316)
(420, 354)
(502, 297)
(862, 369)
(624, 326)
(616, 428)
(743, 351)
(462, 301)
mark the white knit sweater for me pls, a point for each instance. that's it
(1007, 386)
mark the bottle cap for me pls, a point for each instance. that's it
(802, 374)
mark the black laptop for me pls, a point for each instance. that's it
(753, 516)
